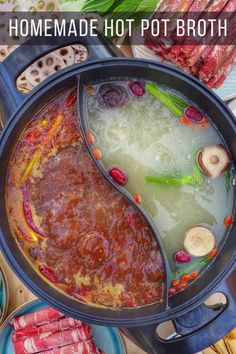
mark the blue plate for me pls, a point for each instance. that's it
(107, 339)
(3, 297)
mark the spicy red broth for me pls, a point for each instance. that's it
(77, 231)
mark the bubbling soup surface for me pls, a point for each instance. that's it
(76, 230)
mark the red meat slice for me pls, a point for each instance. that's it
(55, 340)
(37, 318)
(87, 347)
(195, 9)
(213, 61)
(60, 325)
(194, 52)
(222, 73)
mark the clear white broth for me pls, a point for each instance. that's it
(144, 139)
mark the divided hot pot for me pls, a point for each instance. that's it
(197, 325)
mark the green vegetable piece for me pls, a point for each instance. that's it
(191, 267)
(147, 6)
(227, 182)
(100, 6)
(197, 176)
(171, 180)
(121, 10)
(180, 102)
(166, 99)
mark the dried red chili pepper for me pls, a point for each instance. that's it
(32, 135)
(75, 292)
(49, 273)
(28, 213)
(26, 236)
(130, 219)
(72, 98)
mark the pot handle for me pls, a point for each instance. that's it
(98, 47)
(210, 327)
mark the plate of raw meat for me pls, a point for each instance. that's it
(37, 328)
(213, 63)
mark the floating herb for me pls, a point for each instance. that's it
(171, 180)
(191, 267)
(166, 99)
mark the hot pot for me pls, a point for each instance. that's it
(197, 325)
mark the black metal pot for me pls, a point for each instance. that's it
(197, 325)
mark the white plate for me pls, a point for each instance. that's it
(227, 91)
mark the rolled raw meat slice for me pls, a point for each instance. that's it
(194, 12)
(218, 79)
(194, 51)
(37, 318)
(52, 327)
(214, 60)
(217, 5)
(47, 341)
(169, 5)
(87, 347)
(220, 5)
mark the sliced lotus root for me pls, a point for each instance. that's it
(23, 84)
(80, 53)
(44, 67)
(41, 5)
(11, 6)
(67, 54)
(5, 50)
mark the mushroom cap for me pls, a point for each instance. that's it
(213, 160)
(199, 241)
